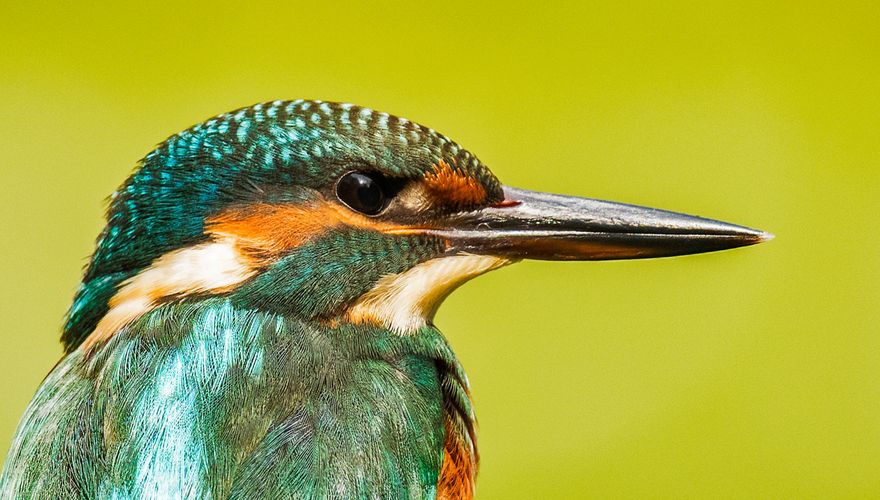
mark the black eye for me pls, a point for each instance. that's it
(361, 192)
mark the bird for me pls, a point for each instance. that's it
(257, 318)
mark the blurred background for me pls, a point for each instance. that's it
(752, 373)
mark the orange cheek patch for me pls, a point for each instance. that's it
(447, 185)
(263, 231)
(245, 239)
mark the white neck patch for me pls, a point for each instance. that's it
(405, 302)
(215, 267)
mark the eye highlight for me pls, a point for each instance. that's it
(361, 192)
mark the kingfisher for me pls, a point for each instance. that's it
(256, 320)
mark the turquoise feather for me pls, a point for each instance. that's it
(210, 400)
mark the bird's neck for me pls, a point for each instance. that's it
(240, 382)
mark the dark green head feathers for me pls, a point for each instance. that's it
(249, 165)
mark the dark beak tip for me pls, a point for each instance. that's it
(756, 236)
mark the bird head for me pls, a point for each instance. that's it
(338, 213)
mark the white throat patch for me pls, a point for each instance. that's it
(405, 302)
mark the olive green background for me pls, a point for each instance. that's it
(752, 373)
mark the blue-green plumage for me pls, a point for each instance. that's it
(307, 282)
(213, 400)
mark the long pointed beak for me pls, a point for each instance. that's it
(533, 225)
